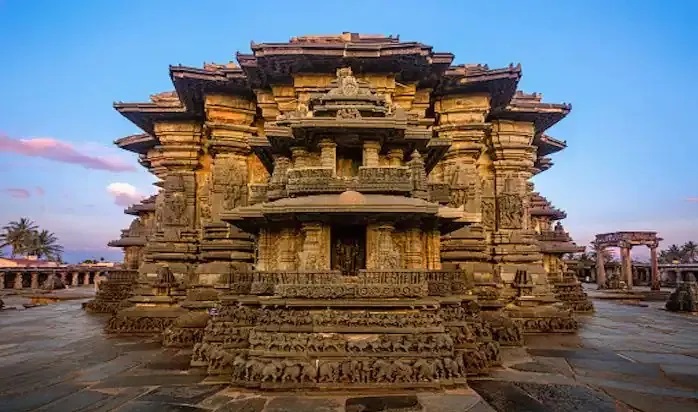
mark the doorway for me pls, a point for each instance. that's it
(348, 249)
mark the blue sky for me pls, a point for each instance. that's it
(628, 68)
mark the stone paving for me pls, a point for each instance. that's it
(625, 358)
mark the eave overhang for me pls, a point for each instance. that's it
(137, 143)
(530, 108)
(500, 84)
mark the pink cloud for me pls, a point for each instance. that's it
(124, 194)
(52, 149)
(39, 191)
(693, 199)
(18, 193)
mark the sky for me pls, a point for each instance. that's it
(627, 67)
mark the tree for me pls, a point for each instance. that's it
(689, 252)
(672, 254)
(17, 235)
(44, 244)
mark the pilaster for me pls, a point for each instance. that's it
(466, 169)
(514, 241)
(176, 238)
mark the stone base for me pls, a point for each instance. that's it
(572, 294)
(97, 306)
(684, 298)
(186, 331)
(541, 319)
(506, 331)
(143, 320)
(117, 288)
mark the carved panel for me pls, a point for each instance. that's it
(229, 184)
(510, 211)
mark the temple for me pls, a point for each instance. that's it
(334, 211)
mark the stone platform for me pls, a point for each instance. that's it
(624, 358)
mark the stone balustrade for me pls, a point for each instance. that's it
(34, 278)
(316, 180)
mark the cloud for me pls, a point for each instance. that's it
(39, 191)
(692, 199)
(18, 193)
(52, 149)
(124, 194)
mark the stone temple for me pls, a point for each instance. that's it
(346, 211)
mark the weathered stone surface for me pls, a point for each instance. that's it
(297, 403)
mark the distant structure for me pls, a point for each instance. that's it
(625, 241)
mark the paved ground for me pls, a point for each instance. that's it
(55, 358)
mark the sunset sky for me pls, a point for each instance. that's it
(627, 67)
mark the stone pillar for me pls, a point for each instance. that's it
(35, 280)
(654, 267)
(328, 155)
(64, 278)
(626, 265)
(370, 154)
(395, 157)
(74, 279)
(600, 267)
(414, 249)
(2, 280)
(86, 278)
(287, 250)
(433, 249)
(299, 156)
(18, 280)
(313, 254)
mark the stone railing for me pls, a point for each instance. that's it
(34, 278)
(316, 180)
(393, 179)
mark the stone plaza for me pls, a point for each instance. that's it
(625, 357)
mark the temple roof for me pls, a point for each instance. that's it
(527, 107)
(274, 63)
(540, 206)
(557, 241)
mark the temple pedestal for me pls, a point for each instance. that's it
(152, 310)
(112, 292)
(224, 251)
(324, 330)
(569, 291)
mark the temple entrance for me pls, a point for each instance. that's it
(348, 249)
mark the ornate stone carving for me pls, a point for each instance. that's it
(510, 211)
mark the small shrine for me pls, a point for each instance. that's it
(555, 243)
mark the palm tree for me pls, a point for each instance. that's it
(673, 254)
(45, 244)
(17, 235)
(690, 251)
